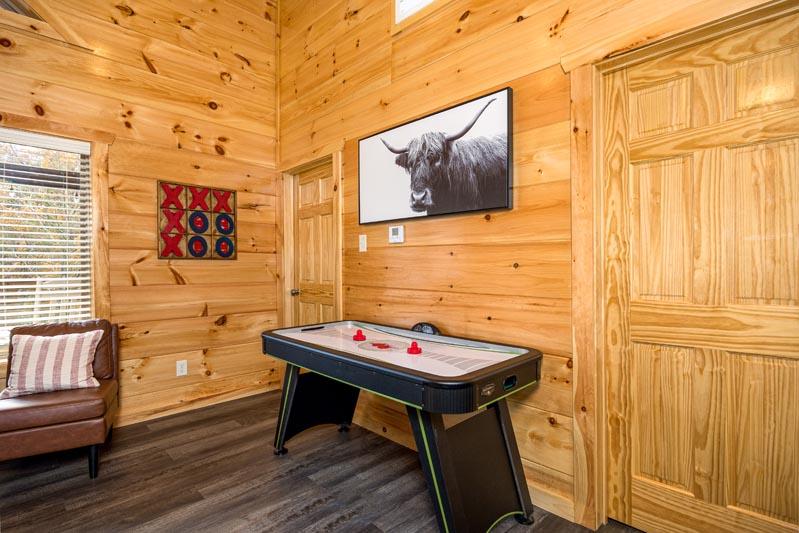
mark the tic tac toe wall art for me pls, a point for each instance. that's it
(196, 222)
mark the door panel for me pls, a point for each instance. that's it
(700, 218)
(765, 243)
(316, 254)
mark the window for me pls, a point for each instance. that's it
(45, 230)
(405, 8)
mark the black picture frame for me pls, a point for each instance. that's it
(503, 198)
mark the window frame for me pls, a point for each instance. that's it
(100, 142)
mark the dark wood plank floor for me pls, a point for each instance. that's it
(213, 470)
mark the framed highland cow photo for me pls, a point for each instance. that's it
(453, 161)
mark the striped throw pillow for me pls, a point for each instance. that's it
(46, 364)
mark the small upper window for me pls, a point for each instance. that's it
(45, 230)
(405, 8)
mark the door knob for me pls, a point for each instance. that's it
(295, 292)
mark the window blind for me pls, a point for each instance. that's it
(45, 230)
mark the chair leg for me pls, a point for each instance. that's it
(94, 451)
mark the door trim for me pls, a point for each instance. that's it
(588, 299)
(285, 236)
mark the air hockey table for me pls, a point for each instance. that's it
(473, 469)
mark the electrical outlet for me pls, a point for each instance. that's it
(182, 367)
(361, 243)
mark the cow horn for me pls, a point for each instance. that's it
(465, 130)
(395, 150)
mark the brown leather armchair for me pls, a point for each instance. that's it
(61, 420)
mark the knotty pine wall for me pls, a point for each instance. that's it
(502, 276)
(188, 88)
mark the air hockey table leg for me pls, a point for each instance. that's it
(286, 398)
(473, 469)
(310, 399)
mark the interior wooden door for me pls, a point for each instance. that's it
(700, 277)
(315, 245)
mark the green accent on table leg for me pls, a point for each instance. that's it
(501, 518)
(432, 470)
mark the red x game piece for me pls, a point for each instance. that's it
(171, 245)
(172, 196)
(174, 222)
(222, 202)
(199, 198)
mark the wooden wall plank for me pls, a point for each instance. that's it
(154, 337)
(506, 319)
(477, 269)
(156, 373)
(137, 159)
(44, 100)
(142, 268)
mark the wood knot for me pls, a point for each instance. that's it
(583, 409)
(569, 363)
(39, 110)
(489, 318)
(519, 18)
(267, 16)
(219, 149)
(207, 372)
(552, 421)
(5, 42)
(125, 10)
(221, 321)
(515, 265)
(242, 58)
(576, 129)
(487, 217)
(213, 105)
(465, 15)
(226, 77)
(128, 124)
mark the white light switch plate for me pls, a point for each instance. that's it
(396, 234)
(181, 367)
(361, 243)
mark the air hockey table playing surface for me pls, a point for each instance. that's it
(450, 375)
